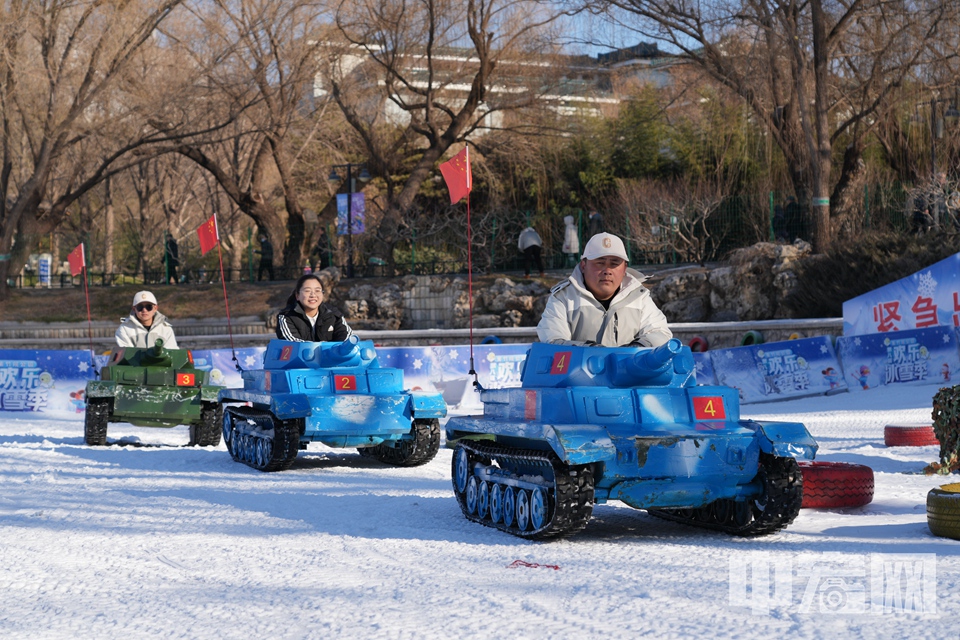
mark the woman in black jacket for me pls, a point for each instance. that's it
(307, 318)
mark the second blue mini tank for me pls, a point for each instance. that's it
(331, 392)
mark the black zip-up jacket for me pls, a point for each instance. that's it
(292, 324)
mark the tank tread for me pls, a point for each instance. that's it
(568, 499)
(264, 442)
(775, 509)
(419, 449)
(95, 421)
(206, 433)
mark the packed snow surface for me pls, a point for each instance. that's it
(149, 538)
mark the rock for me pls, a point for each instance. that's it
(687, 310)
(511, 319)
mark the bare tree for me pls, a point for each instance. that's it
(813, 73)
(415, 78)
(266, 54)
(68, 104)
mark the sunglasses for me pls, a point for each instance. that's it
(146, 306)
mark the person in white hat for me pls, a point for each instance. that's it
(603, 302)
(145, 324)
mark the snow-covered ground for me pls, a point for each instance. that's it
(148, 538)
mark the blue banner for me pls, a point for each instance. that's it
(928, 298)
(780, 370)
(354, 209)
(704, 368)
(921, 356)
(44, 381)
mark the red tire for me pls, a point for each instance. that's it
(698, 344)
(902, 435)
(829, 485)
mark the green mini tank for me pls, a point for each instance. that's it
(153, 387)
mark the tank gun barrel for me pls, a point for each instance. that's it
(657, 358)
(157, 350)
(346, 349)
(647, 366)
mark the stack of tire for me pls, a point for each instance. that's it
(943, 511)
(834, 485)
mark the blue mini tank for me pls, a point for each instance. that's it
(331, 392)
(591, 424)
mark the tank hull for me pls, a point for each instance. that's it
(338, 395)
(647, 435)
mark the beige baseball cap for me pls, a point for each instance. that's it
(144, 296)
(604, 244)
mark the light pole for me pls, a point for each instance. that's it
(364, 177)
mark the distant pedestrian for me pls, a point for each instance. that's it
(571, 241)
(594, 224)
(531, 245)
(266, 257)
(922, 221)
(171, 256)
(320, 255)
(793, 220)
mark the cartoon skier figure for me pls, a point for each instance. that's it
(831, 377)
(945, 371)
(862, 379)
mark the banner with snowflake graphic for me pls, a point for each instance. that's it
(920, 356)
(928, 298)
(780, 370)
(44, 381)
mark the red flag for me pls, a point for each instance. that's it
(456, 173)
(209, 234)
(77, 260)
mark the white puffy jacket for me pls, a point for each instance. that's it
(574, 316)
(131, 333)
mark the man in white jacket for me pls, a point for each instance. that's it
(145, 324)
(603, 302)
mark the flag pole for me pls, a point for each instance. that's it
(473, 372)
(86, 295)
(226, 304)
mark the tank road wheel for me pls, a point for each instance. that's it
(483, 500)
(461, 469)
(260, 440)
(496, 503)
(523, 510)
(538, 508)
(95, 421)
(420, 448)
(207, 432)
(473, 490)
(509, 506)
(776, 507)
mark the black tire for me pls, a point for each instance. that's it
(206, 433)
(943, 511)
(95, 421)
(420, 448)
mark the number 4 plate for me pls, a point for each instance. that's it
(708, 408)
